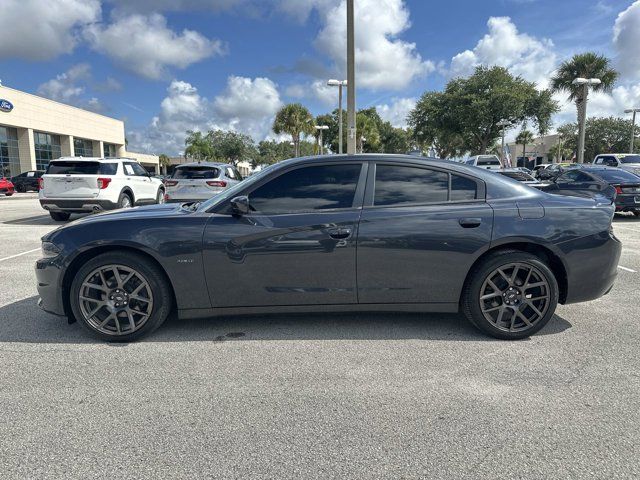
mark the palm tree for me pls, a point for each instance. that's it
(524, 137)
(585, 65)
(294, 119)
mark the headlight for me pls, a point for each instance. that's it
(49, 250)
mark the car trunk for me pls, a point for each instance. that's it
(72, 179)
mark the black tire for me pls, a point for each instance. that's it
(123, 199)
(636, 213)
(162, 295)
(471, 301)
(20, 189)
(160, 196)
(60, 216)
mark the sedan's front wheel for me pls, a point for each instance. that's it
(120, 296)
(510, 295)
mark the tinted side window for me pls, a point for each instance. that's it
(574, 176)
(308, 189)
(463, 188)
(108, 168)
(400, 185)
(139, 170)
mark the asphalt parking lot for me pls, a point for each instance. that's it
(316, 396)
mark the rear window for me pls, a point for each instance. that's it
(195, 172)
(70, 167)
(488, 161)
(520, 176)
(630, 159)
(617, 176)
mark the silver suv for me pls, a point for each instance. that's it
(194, 182)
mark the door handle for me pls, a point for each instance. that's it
(470, 222)
(340, 233)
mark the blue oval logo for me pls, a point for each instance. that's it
(6, 105)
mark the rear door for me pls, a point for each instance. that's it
(73, 178)
(147, 187)
(420, 231)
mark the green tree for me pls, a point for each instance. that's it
(231, 146)
(294, 119)
(393, 139)
(368, 140)
(543, 108)
(465, 116)
(198, 146)
(585, 65)
(164, 161)
(524, 138)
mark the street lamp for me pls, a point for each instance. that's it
(339, 84)
(351, 79)
(503, 124)
(585, 82)
(633, 126)
(321, 128)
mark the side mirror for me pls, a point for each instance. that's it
(240, 205)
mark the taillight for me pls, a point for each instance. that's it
(618, 189)
(216, 183)
(171, 183)
(41, 183)
(103, 183)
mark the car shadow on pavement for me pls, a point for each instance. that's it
(24, 322)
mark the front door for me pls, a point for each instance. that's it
(296, 247)
(420, 231)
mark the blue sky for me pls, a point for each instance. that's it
(168, 65)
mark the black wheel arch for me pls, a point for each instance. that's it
(129, 192)
(80, 259)
(545, 254)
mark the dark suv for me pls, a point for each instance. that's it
(27, 181)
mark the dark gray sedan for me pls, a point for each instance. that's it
(337, 233)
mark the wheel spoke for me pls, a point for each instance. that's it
(115, 322)
(538, 312)
(514, 275)
(523, 317)
(490, 295)
(534, 285)
(505, 276)
(513, 319)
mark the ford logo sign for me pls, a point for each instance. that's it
(6, 105)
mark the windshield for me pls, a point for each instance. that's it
(618, 176)
(195, 172)
(233, 191)
(630, 159)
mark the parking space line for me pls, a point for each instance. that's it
(626, 269)
(615, 225)
(19, 254)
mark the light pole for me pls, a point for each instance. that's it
(339, 84)
(351, 81)
(503, 124)
(320, 129)
(585, 83)
(633, 126)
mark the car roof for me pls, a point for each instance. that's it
(94, 159)
(205, 164)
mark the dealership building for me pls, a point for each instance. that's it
(35, 130)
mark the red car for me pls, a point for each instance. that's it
(6, 186)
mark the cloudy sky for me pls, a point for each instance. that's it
(166, 66)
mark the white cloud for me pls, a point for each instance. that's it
(397, 112)
(383, 61)
(145, 45)
(70, 88)
(317, 90)
(532, 58)
(626, 40)
(246, 105)
(43, 29)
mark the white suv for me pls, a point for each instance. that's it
(81, 185)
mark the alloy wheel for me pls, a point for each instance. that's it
(125, 202)
(115, 300)
(515, 296)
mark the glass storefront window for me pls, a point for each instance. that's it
(82, 147)
(109, 150)
(47, 148)
(9, 159)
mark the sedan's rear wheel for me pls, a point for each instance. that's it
(120, 297)
(510, 295)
